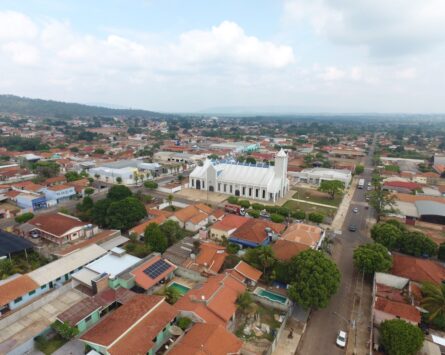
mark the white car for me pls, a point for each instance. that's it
(355, 210)
(341, 339)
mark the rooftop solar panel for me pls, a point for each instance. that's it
(158, 268)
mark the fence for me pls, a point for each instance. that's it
(280, 330)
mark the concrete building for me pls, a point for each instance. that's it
(253, 181)
(59, 193)
(236, 147)
(129, 171)
(315, 176)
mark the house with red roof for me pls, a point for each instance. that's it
(210, 258)
(226, 226)
(140, 326)
(417, 269)
(204, 338)
(214, 301)
(256, 232)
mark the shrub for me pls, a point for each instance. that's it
(271, 209)
(316, 217)
(441, 252)
(257, 206)
(253, 213)
(233, 200)
(283, 211)
(184, 323)
(244, 203)
(25, 217)
(233, 248)
(277, 218)
(65, 330)
(151, 185)
(301, 215)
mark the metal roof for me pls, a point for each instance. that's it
(433, 208)
(10, 243)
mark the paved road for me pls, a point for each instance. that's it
(323, 325)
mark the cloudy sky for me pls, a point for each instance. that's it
(190, 56)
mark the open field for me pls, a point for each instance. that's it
(313, 195)
(308, 208)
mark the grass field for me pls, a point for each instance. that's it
(316, 196)
(308, 208)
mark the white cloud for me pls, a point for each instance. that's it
(386, 28)
(21, 53)
(16, 26)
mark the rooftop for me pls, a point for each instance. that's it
(143, 273)
(248, 271)
(417, 269)
(57, 224)
(16, 287)
(114, 263)
(285, 250)
(303, 234)
(254, 230)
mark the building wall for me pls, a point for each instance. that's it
(60, 195)
(218, 234)
(28, 297)
(84, 325)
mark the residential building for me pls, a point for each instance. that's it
(193, 217)
(86, 313)
(153, 272)
(58, 228)
(256, 232)
(15, 292)
(253, 181)
(226, 226)
(213, 302)
(31, 201)
(245, 273)
(140, 326)
(205, 338)
(210, 259)
(305, 234)
(417, 269)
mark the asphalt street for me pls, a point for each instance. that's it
(324, 324)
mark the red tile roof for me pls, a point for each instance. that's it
(230, 222)
(398, 309)
(143, 280)
(121, 320)
(56, 224)
(403, 184)
(139, 339)
(248, 271)
(303, 233)
(17, 287)
(285, 250)
(211, 256)
(416, 269)
(254, 230)
(204, 339)
(140, 228)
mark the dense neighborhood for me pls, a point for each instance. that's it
(220, 235)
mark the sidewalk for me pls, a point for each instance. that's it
(314, 203)
(286, 345)
(342, 211)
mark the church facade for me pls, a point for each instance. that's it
(250, 181)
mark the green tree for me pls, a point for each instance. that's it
(417, 244)
(332, 187)
(72, 176)
(124, 214)
(88, 191)
(261, 258)
(400, 338)
(172, 295)
(244, 203)
(371, 258)
(277, 218)
(232, 200)
(65, 330)
(24, 217)
(151, 185)
(315, 278)
(155, 238)
(381, 200)
(316, 217)
(184, 323)
(46, 169)
(99, 151)
(7, 268)
(172, 231)
(244, 301)
(386, 234)
(119, 180)
(433, 300)
(170, 199)
(301, 215)
(250, 160)
(441, 252)
(359, 169)
(99, 212)
(119, 192)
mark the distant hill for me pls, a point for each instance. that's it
(65, 110)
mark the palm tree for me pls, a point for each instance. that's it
(433, 299)
(170, 199)
(266, 258)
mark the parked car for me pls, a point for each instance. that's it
(355, 210)
(235, 209)
(341, 339)
(352, 228)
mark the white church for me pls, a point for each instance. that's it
(252, 181)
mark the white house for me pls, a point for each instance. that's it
(253, 181)
(315, 176)
(59, 193)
